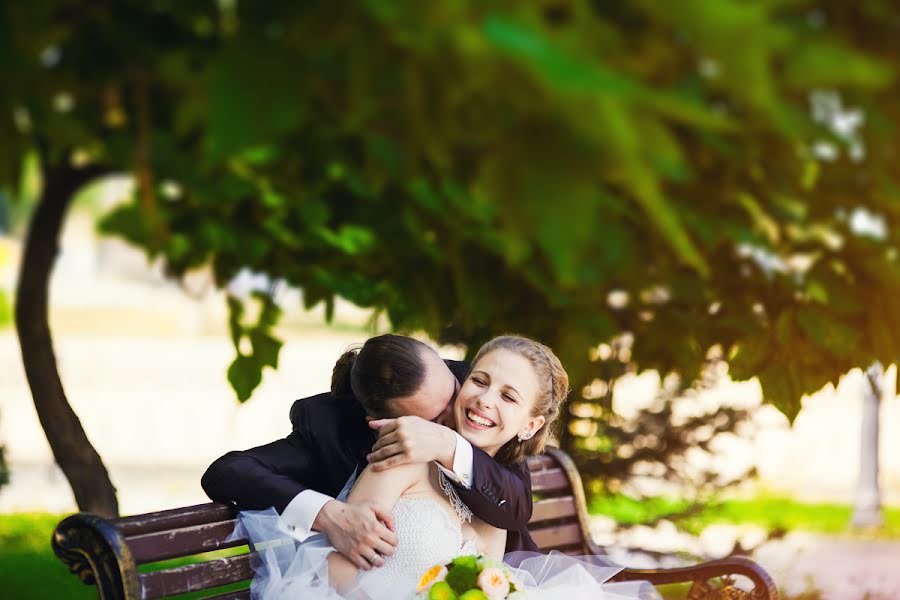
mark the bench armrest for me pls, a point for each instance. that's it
(699, 575)
(96, 552)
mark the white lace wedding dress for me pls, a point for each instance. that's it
(427, 536)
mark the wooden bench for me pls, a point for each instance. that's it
(107, 553)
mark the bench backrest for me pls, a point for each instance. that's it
(116, 548)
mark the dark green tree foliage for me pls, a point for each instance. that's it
(479, 167)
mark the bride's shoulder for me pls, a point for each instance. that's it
(389, 484)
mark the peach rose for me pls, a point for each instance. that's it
(494, 583)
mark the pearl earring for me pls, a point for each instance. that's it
(524, 436)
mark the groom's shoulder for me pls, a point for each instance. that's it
(460, 368)
(322, 407)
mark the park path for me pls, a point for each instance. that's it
(836, 567)
(841, 569)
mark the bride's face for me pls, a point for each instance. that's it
(496, 401)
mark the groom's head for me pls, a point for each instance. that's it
(394, 375)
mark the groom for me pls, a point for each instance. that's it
(306, 475)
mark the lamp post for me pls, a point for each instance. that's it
(867, 509)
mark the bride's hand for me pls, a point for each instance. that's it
(361, 531)
(411, 440)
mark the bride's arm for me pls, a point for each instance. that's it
(492, 541)
(383, 489)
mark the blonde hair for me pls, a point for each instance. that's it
(553, 391)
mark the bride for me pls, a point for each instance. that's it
(505, 407)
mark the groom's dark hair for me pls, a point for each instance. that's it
(385, 367)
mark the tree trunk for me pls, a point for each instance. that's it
(71, 448)
(867, 508)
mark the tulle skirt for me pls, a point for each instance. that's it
(287, 570)
(560, 576)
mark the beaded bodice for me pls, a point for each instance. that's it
(427, 536)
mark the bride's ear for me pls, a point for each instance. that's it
(532, 428)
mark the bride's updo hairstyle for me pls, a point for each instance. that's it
(385, 367)
(553, 392)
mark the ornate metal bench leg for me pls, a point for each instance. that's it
(93, 549)
(703, 590)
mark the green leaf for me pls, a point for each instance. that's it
(244, 375)
(178, 248)
(827, 331)
(127, 221)
(785, 327)
(259, 155)
(779, 389)
(881, 325)
(250, 102)
(462, 574)
(572, 74)
(668, 223)
(836, 291)
(813, 63)
(265, 348)
(811, 172)
(560, 69)
(425, 193)
(816, 291)
(235, 314)
(350, 239)
(749, 356)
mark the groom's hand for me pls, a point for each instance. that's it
(411, 440)
(362, 531)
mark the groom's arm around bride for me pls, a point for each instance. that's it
(303, 475)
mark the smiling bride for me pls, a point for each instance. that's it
(506, 407)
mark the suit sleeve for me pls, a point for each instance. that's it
(500, 495)
(269, 475)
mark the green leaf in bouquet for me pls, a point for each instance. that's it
(470, 562)
(463, 574)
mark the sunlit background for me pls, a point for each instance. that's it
(693, 203)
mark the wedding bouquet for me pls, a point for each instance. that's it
(469, 578)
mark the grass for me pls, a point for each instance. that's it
(28, 568)
(772, 513)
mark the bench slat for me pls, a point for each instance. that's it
(553, 508)
(539, 463)
(200, 576)
(556, 536)
(175, 518)
(551, 480)
(162, 545)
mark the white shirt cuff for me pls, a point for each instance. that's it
(300, 513)
(462, 463)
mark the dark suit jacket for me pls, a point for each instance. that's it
(330, 438)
